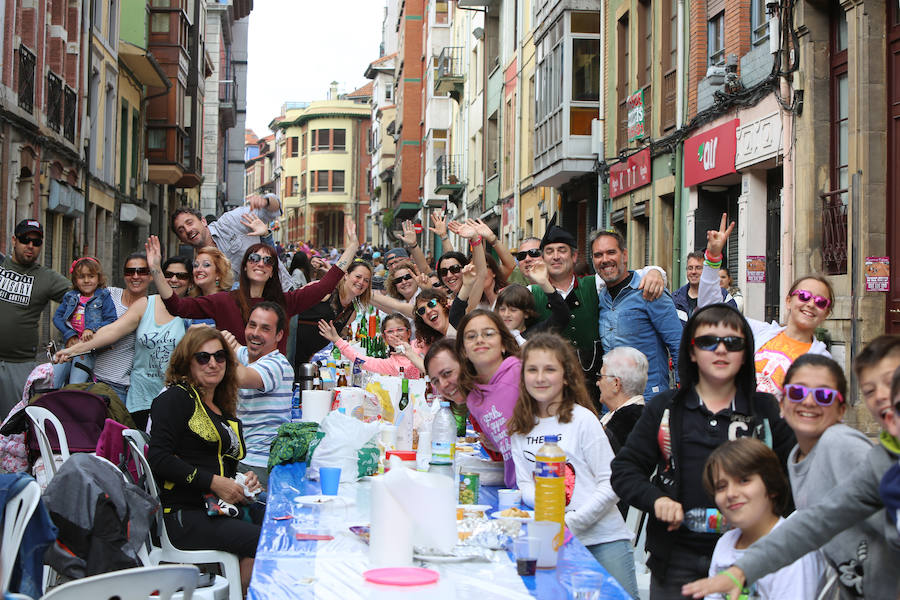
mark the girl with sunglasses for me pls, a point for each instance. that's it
(716, 402)
(259, 281)
(807, 305)
(395, 329)
(432, 321)
(196, 443)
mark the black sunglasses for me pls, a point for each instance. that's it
(203, 357)
(733, 343)
(451, 269)
(129, 271)
(406, 277)
(179, 276)
(430, 304)
(34, 241)
(533, 253)
(263, 258)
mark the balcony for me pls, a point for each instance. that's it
(54, 101)
(834, 232)
(70, 113)
(448, 177)
(26, 79)
(449, 77)
(227, 103)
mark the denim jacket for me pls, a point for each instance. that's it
(100, 310)
(651, 327)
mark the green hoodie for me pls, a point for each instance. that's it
(24, 293)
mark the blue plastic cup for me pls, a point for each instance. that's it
(330, 478)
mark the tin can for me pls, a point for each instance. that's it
(469, 484)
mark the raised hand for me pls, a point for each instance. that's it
(468, 275)
(327, 331)
(423, 281)
(231, 340)
(715, 240)
(154, 252)
(537, 273)
(409, 233)
(462, 229)
(483, 230)
(350, 233)
(439, 224)
(254, 225)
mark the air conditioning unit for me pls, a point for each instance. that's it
(715, 75)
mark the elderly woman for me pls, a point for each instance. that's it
(623, 377)
(196, 443)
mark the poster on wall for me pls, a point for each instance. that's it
(756, 269)
(878, 274)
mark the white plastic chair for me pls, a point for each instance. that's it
(18, 513)
(39, 417)
(167, 552)
(636, 521)
(130, 584)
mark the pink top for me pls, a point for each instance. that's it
(492, 406)
(382, 366)
(77, 318)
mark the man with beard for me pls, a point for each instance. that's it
(25, 288)
(265, 378)
(582, 296)
(233, 232)
(628, 319)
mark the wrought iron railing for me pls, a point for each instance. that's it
(26, 79)
(448, 170)
(227, 91)
(450, 62)
(834, 232)
(54, 101)
(70, 113)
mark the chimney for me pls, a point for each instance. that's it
(333, 91)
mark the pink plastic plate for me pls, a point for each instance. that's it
(404, 576)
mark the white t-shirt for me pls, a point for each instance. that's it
(800, 579)
(262, 411)
(591, 511)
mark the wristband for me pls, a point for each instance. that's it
(475, 241)
(712, 259)
(445, 237)
(731, 576)
(415, 245)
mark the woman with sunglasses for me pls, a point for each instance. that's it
(432, 321)
(259, 281)
(402, 282)
(716, 402)
(156, 333)
(808, 304)
(196, 443)
(177, 271)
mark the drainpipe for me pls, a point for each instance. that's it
(601, 113)
(88, 66)
(517, 146)
(676, 275)
(787, 190)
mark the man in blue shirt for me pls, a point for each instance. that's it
(627, 319)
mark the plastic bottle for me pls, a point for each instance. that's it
(295, 404)
(705, 520)
(336, 354)
(550, 485)
(443, 436)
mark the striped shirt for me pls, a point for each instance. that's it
(113, 365)
(262, 411)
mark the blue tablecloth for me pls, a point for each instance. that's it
(286, 568)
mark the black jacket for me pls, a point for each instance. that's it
(186, 448)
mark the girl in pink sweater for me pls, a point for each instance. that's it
(396, 331)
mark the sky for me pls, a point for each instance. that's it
(296, 48)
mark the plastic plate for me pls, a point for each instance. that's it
(402, 576)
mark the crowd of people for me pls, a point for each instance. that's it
(675, 404)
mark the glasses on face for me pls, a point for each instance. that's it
(34, 241)
(132, 271)
(203, 357)
(806, 295)
(533, 253)
(174, 275)
(485, 334)
(451, 269)
(430, 304)
(403, 278)
(733, 343)
(263, 258)
(822, 395)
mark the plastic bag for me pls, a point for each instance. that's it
(344, 436)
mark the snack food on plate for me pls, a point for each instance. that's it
(514, 512)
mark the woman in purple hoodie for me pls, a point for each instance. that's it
(490, 378)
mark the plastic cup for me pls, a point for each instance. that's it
(389, 436)
(316, 404)
(545, 531)
(526, 549)
(330, 479)
(508, 498)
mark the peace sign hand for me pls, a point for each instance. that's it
(715, 240)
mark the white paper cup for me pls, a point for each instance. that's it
(351, 399)
(316, 404)
(545, 531)
(508, 498)
(389, 437)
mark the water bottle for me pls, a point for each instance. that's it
(443, 436)
(705, 520)
(550, 485)
(295, 404)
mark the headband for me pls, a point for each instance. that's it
(78, 260)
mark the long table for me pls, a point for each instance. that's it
(286, 568)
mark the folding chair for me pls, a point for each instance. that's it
(39, 417)
(18, 512)
(131, 584)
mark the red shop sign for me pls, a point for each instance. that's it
(631, 174)
(710, 154)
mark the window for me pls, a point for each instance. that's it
(622, 78)
(303, 145)
(329, 139)
(834, 202)
(441, 12)
(585, 70)
(669, 63)
(645, 43)
(294, 186)
(156, 139)
(327, 181)
(292, 147)
(320, 181)
(759, 21)
(337, 181)
(159, 23)
(387, 91)
(303, 185)
(338, 139)
(715, 39)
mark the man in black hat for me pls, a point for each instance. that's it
(25, 288)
